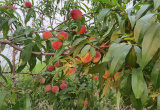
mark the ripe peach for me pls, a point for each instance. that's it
(86, 58)
(12, 7)
(56, 45)
(48, 88)
(85, 103)
(5, 6)
(46, 35)
(63, 86)
(50, 68)
(91, 38)
(55, 89)
(107, 74)
(57, 64)
(62, 34)
(69, 70)
(82, 30)
(28, 4)
(97, 57)
(96, 78)
(76, 14)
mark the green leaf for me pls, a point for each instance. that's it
(136, 103)
(150, 43)
(85, 50)
(2, 74)
(92, 51)
(115, 35)
(155, 75)
(98, 68)
(139, 55)
(132, 20)
(32, 62)
(156, 5)
(107, 87)
(78, 49)
(119, 58)
(8, 61)
(77, 41)
(114, 46)
(20, 39)
(144, 96)
(140, 24)
(2, 96)
(102, 14)
(27, 103)
(118, 99)
(125, 86)
(26, 53)
(141, 11)
(57, 55)
(138, 82)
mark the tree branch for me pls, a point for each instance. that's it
(20, 49)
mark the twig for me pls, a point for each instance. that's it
(20, 73)
(99, 49)
(20, 49)
(3, 85)
(14, 67)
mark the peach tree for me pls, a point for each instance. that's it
(99, 54)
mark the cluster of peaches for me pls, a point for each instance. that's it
(27, 5)
(55, 88)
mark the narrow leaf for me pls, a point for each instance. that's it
(107, 87)
(150, 43)
(137, 82)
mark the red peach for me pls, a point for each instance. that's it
(46, 35)
(5, 6)
(50, 68)
(85, 103)
(48, 88)
(56, 45)
(12, 7)
(82, 30)
(86, 58)
(28, 4)
(62, 34)
(96, 78)
(63, 86)
(55, 89)
(97, 57)
(69, 70)
(76, 14)
(57, 64)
